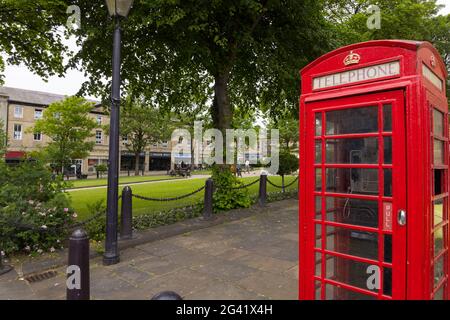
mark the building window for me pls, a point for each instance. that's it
(18, 112)
(99, 120)
(37, 136)
(98, 137)
(17, 132)
(37, 114)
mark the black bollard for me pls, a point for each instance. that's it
(167, 295)
(208, 209)
(262, 190)
(78, 283)
(126, 226)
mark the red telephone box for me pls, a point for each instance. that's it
(374, 180)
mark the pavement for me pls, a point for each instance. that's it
(255, 257)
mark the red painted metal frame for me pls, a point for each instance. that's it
(413, 186)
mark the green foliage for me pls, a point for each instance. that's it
(70, 126)
(288, 163)
(101, 168)
(225, 197)
(155, 219)
(143, 124)
(2, 141)
(96, 227)
(33, 209)
(400, 19)
(28, 35)
(287, 124)
(173, 50)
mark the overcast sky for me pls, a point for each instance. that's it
(21, 77)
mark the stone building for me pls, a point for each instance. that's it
(19, 109)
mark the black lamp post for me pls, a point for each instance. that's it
(117, 9)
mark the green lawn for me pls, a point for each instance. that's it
(122, 180)
(80, 198)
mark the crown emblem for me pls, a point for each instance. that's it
(352, 58)
(433, 61)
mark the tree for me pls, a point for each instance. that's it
(288, 163)
(142, 125)
(400, 19)
(30, 33)
(235, 53)
(70, 127)
(288, 130)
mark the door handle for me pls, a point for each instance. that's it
(401, 217)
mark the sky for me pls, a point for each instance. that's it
(21, 77)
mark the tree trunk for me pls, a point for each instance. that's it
(282, 182)
(137, 157)
(222, 113)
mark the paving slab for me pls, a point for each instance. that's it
(253, 257)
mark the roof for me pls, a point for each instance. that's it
(407, 44)
(34, 97)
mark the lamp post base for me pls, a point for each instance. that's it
(108, 261)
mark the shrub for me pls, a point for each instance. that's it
(34, 212)
(96, 227)
(226, 197)
(156, 219)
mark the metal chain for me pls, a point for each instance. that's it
(247, 185)
(169, 199)
(281, 187)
